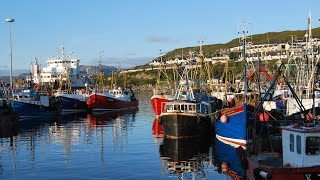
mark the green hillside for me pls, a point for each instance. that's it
(149, 77)
(272, 37)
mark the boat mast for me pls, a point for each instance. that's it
(226, 78)
(100, 82)
(310, 54)
(244, 65)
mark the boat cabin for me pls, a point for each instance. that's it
(301, 145)
(187, 107)
(121, 94)
(31, 97)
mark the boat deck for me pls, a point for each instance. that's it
(276, 162)
(269, 159)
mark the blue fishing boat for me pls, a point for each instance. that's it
(30, 104)
(231, 128)
(231, 125)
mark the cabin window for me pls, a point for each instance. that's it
(169, 107)
(313, 146)
(198, 108)
(192, 108)
(291, 142)
(298, 144)
(176, 107)
(184, 107)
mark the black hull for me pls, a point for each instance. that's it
(177, 150)
(180, 126)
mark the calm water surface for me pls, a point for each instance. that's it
(109, 146)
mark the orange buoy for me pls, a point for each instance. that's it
(264, 117)
(224, 118)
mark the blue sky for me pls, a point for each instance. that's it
(131, 32)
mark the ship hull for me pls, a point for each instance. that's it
(27, 110)
(72, 103)
(184, 125)
(234, 131)
(157, 102)
(98, 102)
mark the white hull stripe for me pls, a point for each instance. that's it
(233, 142)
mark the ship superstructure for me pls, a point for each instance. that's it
(62, 69)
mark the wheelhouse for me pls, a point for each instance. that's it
(301, 145)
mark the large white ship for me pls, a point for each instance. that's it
(62, 69)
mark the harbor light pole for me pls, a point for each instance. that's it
(10, 20)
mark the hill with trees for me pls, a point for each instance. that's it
(149, 77)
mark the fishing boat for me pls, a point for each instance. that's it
(112, 100)
(189, 114)
(186, 116)
(72, 102)
(157, 101)
(300, 158)
(30, 104)
(231, 128)
(232, 122)
(160, 93)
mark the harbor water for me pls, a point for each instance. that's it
(104, 146)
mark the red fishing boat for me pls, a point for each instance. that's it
(115, 99)
(161, 94)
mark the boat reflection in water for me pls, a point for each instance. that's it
(185, 157)
(157, 130)
(102, 118)
(9, 126)
(228, 160)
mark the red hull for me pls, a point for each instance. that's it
(281, 173)
(157, 103)
(100, 102)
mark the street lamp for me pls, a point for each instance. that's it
(10, 20)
